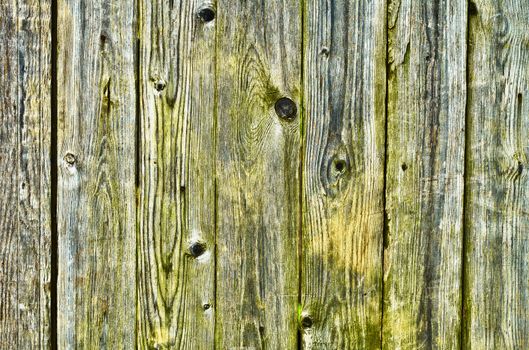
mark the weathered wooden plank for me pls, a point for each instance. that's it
(176, 213)
(343, 174)
(497, 186)
(25, 233)
(425, 165)
(96, 131)
(258, 158)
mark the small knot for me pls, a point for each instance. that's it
(70, 159)
(206, 14)
(404, 167)
(324, 51)
(286, 108)
(340, 165)
(159, 85)
(197, 249)
(206, 306)
(306, 321)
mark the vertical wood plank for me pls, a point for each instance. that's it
(9, 147)
(176, 214)
(258, 158)
(96, 194)
(343, 174)
(425, 165)
(497, 220)
(25, 233)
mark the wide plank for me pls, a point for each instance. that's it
(424, 178)
(96, 128)
(176, 207)
(343, 174)
(258, 156)
(496, 298)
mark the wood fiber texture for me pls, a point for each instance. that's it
(275, 174)
(176, 194)
(25, 216)
(424, 175)
(258, 159)
(497, 185)
(343, 174)
(96, 124)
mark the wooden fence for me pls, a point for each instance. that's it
(276, 174)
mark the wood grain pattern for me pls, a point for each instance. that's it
(343, 174)
(96, 131)
(425, 166)
(25, 233)
(497, 220)
(258, 158)
(264, 174)
(176, 212)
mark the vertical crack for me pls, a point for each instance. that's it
(215, 199)
(54, 262)
(472, 11)
(137, 170)
(301, 166)
(385, 229)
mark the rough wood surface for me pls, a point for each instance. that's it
(25, 233)
(259, 62)
(425, 165)
(96, 197)
(176, 213)
(264, 174)
(343, 174)
(497, 219)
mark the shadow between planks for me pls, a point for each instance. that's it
(188, 174)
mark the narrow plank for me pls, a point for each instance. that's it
(25, 233)
(343, 174)
(258, 158)
(96, 194)
(176, 213)
(497, 221)
(9, 147)
(424, 180)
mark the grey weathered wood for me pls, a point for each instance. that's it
(497, 184)
(25, 233)
(343, 174)
(425, 165)
(176, 213)
(96, 197)
(258, 158)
